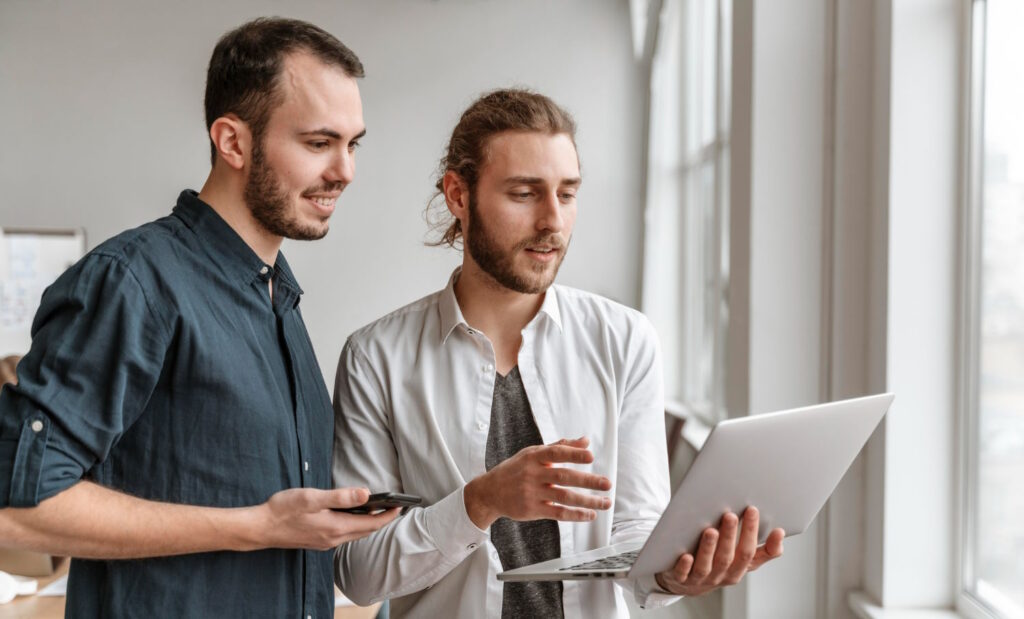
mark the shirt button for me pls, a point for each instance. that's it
(264, 270)
(481, 426)
(37, 426)
(470, 331)
(471, 546)
(488, 368)
(305, 465)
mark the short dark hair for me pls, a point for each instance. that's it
(243, 74)
(508, 109)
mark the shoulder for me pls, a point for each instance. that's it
(401, 327)
(590, 309)
(143, 247)
(125, 270)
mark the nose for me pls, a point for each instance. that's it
(550, 217)
(342, 168)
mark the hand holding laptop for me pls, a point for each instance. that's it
(786, 463)
(722, 559)
(529, 486)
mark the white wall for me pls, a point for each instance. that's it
(779, 99)
(102, 126)
(916, 565)
(804, 247)
(846, 190)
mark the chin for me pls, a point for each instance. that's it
(538, 283)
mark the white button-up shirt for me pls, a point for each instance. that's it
(412, 410)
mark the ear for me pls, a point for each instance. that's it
(232, 139)
(456, 195)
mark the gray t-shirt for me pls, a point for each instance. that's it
(520, 543)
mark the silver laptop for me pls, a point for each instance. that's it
(786, 464)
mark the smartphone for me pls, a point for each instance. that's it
(382, 501)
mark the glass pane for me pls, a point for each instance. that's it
(999, 522)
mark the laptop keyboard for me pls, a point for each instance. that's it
(614, 562)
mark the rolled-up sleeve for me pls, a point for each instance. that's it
(97, 350)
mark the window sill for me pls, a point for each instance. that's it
(865, 608)
(694, 429)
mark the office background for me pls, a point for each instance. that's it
(103, 126)
(850, 136)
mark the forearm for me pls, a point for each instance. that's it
(412, 553)
(90, 521)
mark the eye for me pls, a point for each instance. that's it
(319, 144)
(521, 195)
(567, 196)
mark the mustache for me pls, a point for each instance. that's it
(554, 241)
(336, 186)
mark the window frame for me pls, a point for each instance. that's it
(694, 334)
(968, 601)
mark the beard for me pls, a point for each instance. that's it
(500, 263)
(269, 201)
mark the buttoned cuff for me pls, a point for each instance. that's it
(649, 595)
(449, 526)
(23, 462)
(41, 463)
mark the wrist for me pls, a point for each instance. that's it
(244, 530)
(477, 505)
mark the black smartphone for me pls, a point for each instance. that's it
(382, 501)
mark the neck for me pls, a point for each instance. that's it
(226, 195)
(489, 307)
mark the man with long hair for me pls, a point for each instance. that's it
(490, 397)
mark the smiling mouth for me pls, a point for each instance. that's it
(325, 203)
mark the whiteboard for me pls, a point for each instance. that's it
(30, 260)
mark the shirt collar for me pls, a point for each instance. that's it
(225, 246)
(550, 307)
(451, 313)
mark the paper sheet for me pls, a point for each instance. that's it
(56, 588)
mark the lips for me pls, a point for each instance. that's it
(324, 203)
(543, 253)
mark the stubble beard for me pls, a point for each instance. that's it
(269, 202)
(500, 264)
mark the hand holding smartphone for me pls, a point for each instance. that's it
(382, 501)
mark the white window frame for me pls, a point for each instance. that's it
(968, 603)
(676, 272)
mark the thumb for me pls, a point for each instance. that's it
(349, 497)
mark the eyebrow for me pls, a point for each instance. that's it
(536, 180)
(331, 133)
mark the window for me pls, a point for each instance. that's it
(993, 489)
(686, 219)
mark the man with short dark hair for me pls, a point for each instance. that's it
(170, 413)
(469, 398)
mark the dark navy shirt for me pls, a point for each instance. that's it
(160, 367)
